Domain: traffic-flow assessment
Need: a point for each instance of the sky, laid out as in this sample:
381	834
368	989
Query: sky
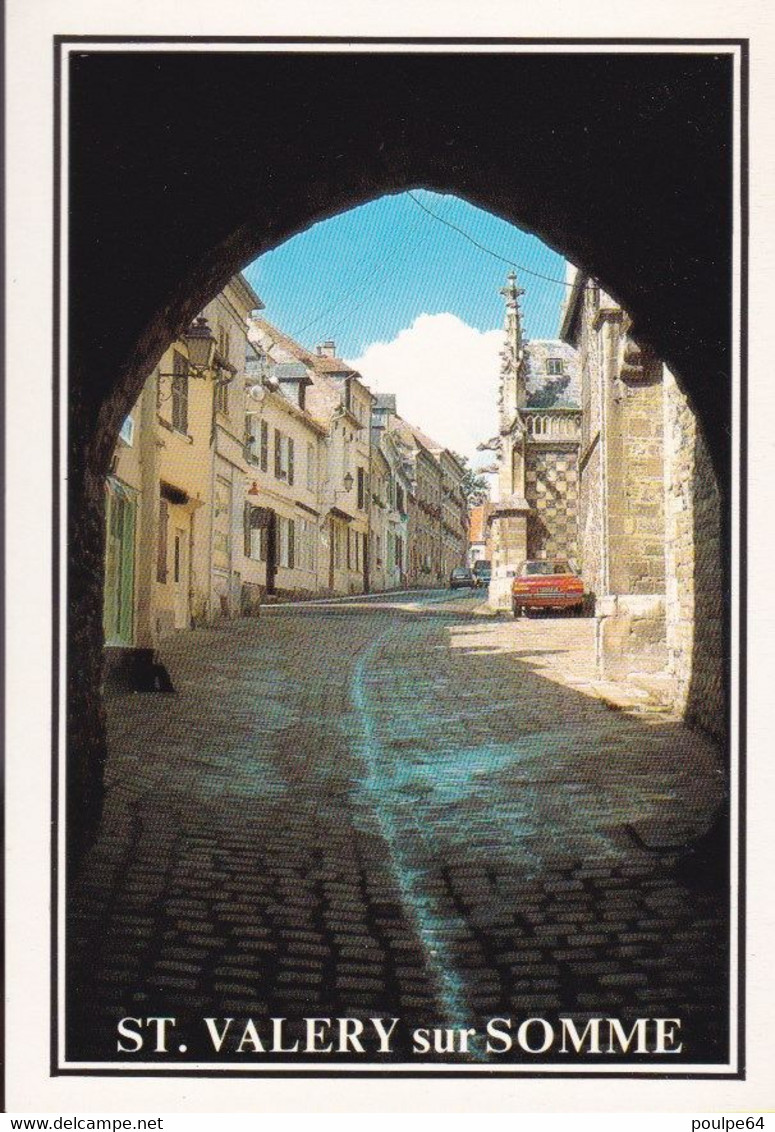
413	305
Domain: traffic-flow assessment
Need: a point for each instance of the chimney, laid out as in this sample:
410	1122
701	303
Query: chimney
327	349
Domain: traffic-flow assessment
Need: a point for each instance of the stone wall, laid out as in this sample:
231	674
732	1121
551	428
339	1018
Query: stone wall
694	592
636	519
592	526
552	491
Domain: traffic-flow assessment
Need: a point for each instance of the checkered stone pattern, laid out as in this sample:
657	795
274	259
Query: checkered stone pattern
552	490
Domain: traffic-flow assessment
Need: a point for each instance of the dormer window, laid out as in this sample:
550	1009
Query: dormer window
554	366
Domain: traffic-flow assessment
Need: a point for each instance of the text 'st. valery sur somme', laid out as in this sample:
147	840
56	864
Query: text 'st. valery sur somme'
504	1035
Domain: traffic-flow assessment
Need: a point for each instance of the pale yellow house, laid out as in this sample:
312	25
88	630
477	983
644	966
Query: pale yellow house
176	489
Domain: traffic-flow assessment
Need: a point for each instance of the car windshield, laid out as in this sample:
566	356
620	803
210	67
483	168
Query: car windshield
557	566
460	572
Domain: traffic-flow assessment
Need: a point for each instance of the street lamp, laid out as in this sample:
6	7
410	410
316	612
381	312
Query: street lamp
348	482
201	347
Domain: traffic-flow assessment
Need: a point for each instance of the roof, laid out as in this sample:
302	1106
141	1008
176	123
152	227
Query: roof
572	309
290	371
385	401
319	363
424	440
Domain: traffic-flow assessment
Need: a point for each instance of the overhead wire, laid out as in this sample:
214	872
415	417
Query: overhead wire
359	283
482	248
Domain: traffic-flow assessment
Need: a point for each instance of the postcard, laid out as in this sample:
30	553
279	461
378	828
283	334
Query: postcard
388	725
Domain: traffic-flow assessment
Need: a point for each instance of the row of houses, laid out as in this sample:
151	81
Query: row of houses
252	469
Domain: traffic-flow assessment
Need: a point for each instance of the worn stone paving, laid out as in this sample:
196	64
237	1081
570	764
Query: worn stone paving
403	811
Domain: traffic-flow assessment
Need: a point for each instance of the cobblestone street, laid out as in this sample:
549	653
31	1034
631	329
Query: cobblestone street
394	808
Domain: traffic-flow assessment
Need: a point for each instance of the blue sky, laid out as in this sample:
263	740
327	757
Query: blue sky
365	275
413	305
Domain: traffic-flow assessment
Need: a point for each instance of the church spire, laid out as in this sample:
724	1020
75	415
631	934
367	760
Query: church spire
512	391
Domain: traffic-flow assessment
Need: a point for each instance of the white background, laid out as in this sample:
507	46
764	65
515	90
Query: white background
30	27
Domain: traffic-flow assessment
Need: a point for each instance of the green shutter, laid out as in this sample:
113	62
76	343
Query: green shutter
278	471
291	542
264	446
290	459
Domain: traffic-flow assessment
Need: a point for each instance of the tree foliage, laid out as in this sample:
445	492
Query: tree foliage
475	487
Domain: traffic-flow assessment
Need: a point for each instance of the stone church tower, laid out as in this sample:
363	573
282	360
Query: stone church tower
536	514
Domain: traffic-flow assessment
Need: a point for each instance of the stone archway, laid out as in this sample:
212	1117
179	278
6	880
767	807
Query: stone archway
185	167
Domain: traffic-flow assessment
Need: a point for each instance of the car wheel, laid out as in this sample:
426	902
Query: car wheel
516	609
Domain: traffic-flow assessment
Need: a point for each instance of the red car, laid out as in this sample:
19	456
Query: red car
547	584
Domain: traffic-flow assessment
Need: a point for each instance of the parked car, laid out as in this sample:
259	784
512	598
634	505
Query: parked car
461	577
482	571
547	584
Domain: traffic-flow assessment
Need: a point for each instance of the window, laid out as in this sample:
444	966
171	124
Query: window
256	532
336	544
179	393
306	549
554	366
222	397
283	456
224	343
312	469
252	425
286	542
256	441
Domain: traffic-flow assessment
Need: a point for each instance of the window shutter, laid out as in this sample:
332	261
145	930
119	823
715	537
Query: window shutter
264	446
246	524
161	545
291	542
290	461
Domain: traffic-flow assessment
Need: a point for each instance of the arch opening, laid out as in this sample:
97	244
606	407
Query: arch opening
111	357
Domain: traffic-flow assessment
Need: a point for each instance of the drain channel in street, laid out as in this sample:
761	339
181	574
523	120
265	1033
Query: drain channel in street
432	924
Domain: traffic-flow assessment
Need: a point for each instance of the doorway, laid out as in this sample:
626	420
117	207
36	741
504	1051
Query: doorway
180	578
118	609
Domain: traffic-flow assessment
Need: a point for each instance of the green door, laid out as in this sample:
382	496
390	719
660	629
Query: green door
118	617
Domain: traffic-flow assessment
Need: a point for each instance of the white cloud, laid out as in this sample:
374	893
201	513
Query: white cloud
445	377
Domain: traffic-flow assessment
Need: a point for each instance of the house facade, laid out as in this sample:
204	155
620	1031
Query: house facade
337	405
173	553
